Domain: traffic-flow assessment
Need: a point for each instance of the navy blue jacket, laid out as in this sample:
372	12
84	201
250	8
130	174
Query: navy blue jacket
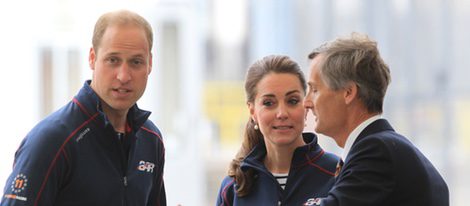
384	168
74	158
311	173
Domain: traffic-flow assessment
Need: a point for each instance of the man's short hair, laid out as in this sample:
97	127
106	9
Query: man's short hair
355	59
120	17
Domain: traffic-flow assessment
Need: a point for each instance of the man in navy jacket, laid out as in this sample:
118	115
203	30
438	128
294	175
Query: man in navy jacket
347	86
99	149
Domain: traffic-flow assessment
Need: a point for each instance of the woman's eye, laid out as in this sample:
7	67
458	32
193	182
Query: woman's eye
268	103
293	101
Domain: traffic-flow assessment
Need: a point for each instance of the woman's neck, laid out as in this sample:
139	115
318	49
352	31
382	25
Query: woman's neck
278	158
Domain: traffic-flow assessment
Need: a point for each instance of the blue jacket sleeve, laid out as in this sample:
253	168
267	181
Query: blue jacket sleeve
226	192
158	195
39	170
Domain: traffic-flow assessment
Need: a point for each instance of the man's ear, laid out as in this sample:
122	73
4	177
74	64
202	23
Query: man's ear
350	92
92	58
150	63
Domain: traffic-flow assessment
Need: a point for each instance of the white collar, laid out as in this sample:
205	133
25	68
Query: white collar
355	133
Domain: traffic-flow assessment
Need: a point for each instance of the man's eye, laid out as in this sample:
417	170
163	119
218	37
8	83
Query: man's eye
137	62
112	60
312	90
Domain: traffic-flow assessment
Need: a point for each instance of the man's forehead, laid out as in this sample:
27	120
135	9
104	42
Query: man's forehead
317	60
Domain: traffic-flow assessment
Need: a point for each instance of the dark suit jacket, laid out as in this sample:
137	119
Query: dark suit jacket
384	168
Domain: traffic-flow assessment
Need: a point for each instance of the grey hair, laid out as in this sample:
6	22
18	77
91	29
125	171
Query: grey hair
355	59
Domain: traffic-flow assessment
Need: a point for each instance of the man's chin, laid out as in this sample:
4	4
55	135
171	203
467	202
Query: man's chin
121	106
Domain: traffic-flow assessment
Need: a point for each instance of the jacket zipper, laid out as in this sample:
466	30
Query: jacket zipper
124	161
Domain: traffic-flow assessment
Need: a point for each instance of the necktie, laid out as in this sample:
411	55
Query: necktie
339	166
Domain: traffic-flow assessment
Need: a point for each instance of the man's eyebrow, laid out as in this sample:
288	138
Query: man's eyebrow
138	56
112	54
118	53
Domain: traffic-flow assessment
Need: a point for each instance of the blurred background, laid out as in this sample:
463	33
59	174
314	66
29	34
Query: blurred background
201	52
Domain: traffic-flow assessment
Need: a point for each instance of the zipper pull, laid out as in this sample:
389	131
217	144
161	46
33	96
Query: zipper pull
125	181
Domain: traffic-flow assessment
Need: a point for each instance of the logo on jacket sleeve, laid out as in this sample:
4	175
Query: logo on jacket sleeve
146	166
19	184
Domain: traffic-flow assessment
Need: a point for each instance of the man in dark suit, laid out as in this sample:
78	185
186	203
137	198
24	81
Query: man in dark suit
347	86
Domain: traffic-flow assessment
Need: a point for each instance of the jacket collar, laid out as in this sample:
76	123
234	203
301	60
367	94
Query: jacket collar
90	104
302	154
375	127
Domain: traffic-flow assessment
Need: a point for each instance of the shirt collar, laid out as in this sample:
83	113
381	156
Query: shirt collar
355	133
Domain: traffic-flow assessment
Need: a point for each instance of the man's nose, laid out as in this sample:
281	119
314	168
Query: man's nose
308	104
124	73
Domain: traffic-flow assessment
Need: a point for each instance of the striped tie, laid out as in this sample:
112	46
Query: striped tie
339	166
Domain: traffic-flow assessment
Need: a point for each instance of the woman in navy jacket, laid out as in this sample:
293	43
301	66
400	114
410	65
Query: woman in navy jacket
277	164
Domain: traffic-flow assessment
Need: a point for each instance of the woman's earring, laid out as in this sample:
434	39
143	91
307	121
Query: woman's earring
256	127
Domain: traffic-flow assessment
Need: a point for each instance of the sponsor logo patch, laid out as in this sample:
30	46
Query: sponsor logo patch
16	197
82	134
146	166
19	183
313	201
